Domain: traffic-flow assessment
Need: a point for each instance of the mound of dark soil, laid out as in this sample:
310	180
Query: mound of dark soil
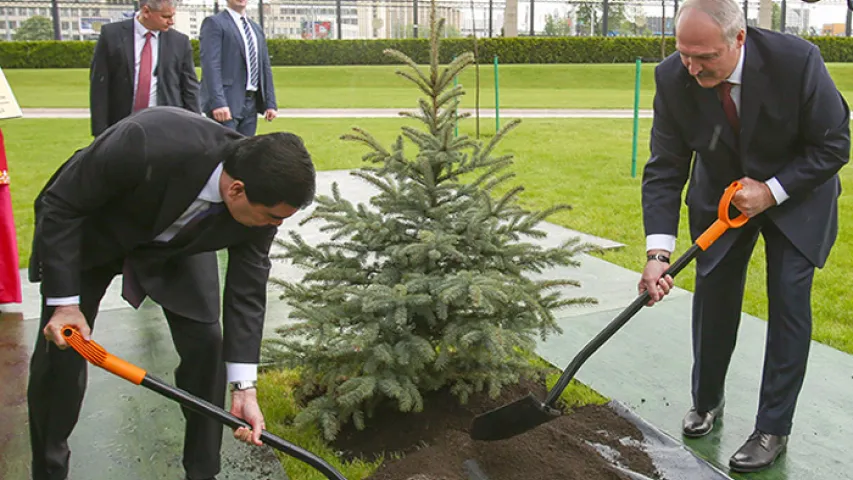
435	445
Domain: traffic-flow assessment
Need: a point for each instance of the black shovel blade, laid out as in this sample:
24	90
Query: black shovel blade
512	419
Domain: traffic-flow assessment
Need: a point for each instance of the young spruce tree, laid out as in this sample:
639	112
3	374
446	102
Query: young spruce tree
426	287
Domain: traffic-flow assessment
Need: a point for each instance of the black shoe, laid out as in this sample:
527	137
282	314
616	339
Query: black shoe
697	424
211	478
758	453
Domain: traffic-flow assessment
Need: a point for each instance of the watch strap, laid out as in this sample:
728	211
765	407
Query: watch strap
243	385
657	256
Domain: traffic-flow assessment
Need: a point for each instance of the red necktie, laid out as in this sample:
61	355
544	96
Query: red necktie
725	91
143	87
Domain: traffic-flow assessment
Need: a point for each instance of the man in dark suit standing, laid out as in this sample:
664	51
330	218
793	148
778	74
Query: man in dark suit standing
759	107
154	198
140	63
236	77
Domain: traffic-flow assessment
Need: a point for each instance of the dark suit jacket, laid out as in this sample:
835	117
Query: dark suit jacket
795	125
113	69
111	199
223	66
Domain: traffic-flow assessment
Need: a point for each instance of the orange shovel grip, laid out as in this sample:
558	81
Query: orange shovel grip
724	221
98	356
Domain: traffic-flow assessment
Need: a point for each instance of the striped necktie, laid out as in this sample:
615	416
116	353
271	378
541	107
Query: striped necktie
253	53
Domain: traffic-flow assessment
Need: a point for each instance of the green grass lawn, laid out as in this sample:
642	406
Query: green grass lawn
521	86
583	162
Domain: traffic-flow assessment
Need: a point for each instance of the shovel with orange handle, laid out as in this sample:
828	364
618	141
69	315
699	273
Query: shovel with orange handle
528	412
99	357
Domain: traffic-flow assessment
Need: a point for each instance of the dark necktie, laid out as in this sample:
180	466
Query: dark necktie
131	289
143	85
725	91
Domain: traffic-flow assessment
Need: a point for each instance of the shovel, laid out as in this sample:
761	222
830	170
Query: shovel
528	412
99	357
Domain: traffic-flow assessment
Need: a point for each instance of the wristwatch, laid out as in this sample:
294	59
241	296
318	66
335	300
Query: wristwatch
243	385
657	256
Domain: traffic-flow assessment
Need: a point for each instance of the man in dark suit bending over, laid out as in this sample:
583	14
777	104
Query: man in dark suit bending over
140	63
154	198
760	107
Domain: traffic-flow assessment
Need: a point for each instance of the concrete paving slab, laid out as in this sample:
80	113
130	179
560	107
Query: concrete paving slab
356	190
647	365
125	431
506	113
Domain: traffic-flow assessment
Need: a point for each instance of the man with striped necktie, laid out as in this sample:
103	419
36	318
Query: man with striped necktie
235	68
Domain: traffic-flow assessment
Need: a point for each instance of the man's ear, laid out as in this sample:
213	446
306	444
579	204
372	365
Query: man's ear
236	189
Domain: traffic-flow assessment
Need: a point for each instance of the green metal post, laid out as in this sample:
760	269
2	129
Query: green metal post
639	65
497	99
456	116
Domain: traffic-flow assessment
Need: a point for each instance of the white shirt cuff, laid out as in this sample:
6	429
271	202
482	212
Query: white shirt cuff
63	301
660	241
776	189
241	371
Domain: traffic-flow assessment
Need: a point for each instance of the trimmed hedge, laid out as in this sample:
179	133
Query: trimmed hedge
76	54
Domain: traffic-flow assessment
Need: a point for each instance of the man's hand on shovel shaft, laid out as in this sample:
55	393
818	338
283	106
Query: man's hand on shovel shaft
654	281
244	404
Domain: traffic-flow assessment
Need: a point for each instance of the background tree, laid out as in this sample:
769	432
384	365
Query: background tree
35	28
432	285
557	26
589	16
776	17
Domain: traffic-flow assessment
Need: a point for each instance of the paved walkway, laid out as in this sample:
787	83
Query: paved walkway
646	366
382	113
390	113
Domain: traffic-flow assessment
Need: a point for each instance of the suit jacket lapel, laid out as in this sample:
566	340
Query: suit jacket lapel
183	188
127	44
162	49
712	109
235	31
752	92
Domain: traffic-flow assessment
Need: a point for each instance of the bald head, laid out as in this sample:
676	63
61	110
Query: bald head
709	35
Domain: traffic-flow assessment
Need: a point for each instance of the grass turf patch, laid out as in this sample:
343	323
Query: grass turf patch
521	86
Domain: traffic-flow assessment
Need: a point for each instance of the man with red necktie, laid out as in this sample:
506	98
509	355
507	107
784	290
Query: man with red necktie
140	63
746	104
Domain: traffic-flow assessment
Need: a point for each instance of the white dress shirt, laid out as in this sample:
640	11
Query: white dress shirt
138	42
238	20
209	195
660	241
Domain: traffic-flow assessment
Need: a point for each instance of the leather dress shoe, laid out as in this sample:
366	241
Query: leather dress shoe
758	453
697	424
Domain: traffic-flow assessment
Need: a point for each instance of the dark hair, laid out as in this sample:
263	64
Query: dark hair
274	168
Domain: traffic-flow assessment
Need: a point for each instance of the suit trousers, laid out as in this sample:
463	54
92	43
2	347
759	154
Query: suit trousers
57	385
717	305
246	120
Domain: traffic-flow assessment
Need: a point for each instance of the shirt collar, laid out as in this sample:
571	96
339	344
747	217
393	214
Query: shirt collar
737	75
235	15
210	191
140	29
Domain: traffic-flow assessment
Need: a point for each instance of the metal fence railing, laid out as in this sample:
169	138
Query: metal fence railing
363	19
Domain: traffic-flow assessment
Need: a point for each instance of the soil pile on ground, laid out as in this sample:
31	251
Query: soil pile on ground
585	443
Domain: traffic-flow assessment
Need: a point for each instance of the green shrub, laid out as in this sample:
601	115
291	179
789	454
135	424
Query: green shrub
76	54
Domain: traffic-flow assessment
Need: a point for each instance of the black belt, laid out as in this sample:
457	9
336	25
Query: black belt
251	93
